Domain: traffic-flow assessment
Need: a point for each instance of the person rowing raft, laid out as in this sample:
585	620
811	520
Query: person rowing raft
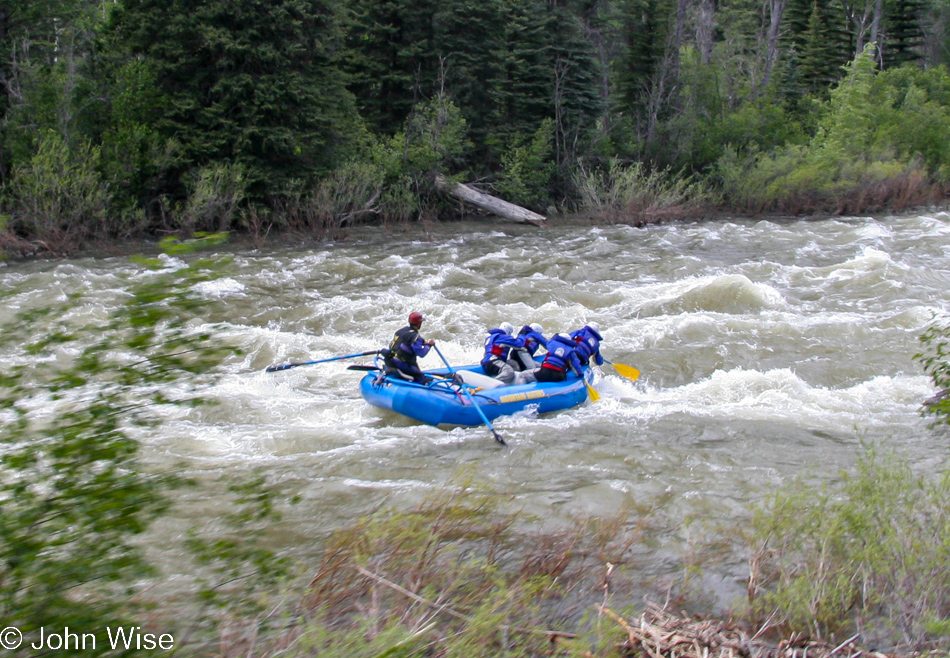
405	349
522	358
498	344
561	357
588	343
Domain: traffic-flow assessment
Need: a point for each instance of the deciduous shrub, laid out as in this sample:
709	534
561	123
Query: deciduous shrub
58	197
876	148
215	194
935	358
630	193
528	169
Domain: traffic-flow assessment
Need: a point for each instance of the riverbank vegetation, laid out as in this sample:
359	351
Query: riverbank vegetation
140	118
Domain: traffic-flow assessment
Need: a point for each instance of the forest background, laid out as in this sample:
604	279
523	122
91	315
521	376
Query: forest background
140	118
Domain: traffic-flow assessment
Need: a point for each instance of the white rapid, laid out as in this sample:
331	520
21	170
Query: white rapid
767	350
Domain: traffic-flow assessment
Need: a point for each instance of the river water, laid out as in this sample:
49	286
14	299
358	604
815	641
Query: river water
767	350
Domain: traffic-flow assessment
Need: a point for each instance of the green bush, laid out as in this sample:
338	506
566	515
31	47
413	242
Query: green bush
879	145
346	196
528	169
393	178
435	137
918	115
632	193
935	358
59	197
215	194
868	555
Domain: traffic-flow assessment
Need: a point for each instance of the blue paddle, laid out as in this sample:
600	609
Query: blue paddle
310	363
472	400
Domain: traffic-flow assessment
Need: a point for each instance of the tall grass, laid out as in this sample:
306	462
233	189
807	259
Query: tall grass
457	575
870	556
833	569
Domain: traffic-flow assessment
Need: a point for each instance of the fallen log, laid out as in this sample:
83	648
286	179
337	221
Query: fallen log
488	203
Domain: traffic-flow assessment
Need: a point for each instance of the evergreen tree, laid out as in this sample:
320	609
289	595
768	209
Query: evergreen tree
525	95
577	101
470	43
646	28
507	66
249	82
820	45
391	59
815	62
42	45
934	23
904	34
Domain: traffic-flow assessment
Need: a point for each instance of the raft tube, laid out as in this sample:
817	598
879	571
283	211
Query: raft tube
441	402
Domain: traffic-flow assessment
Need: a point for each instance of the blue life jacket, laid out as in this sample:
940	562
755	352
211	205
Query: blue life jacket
588	345
532	340
562	354
498	344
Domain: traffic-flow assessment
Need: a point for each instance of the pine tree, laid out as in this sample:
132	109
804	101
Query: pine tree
391	59
819	42
525	97
904	36
249	82
470	43
577	102
815	56
646	28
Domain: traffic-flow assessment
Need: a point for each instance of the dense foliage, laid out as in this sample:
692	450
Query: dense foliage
76	494
126	117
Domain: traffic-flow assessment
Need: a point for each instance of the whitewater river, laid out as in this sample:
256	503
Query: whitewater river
767	350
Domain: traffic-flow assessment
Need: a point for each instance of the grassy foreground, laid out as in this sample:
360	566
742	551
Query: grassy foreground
858	569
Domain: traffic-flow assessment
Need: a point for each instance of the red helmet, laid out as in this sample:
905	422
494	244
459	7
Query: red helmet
415	318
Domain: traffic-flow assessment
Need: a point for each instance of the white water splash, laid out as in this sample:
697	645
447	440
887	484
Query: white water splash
765	348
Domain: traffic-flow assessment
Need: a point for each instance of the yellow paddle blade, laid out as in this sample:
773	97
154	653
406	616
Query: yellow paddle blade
591	393
629	372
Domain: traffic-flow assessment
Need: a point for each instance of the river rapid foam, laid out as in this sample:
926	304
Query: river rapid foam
767	350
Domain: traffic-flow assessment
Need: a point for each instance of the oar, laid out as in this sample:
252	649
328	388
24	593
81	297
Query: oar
310	363
629	372
591	393
472	400
369	368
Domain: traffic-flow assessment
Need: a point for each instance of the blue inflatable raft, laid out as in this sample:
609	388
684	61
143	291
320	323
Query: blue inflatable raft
442	402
